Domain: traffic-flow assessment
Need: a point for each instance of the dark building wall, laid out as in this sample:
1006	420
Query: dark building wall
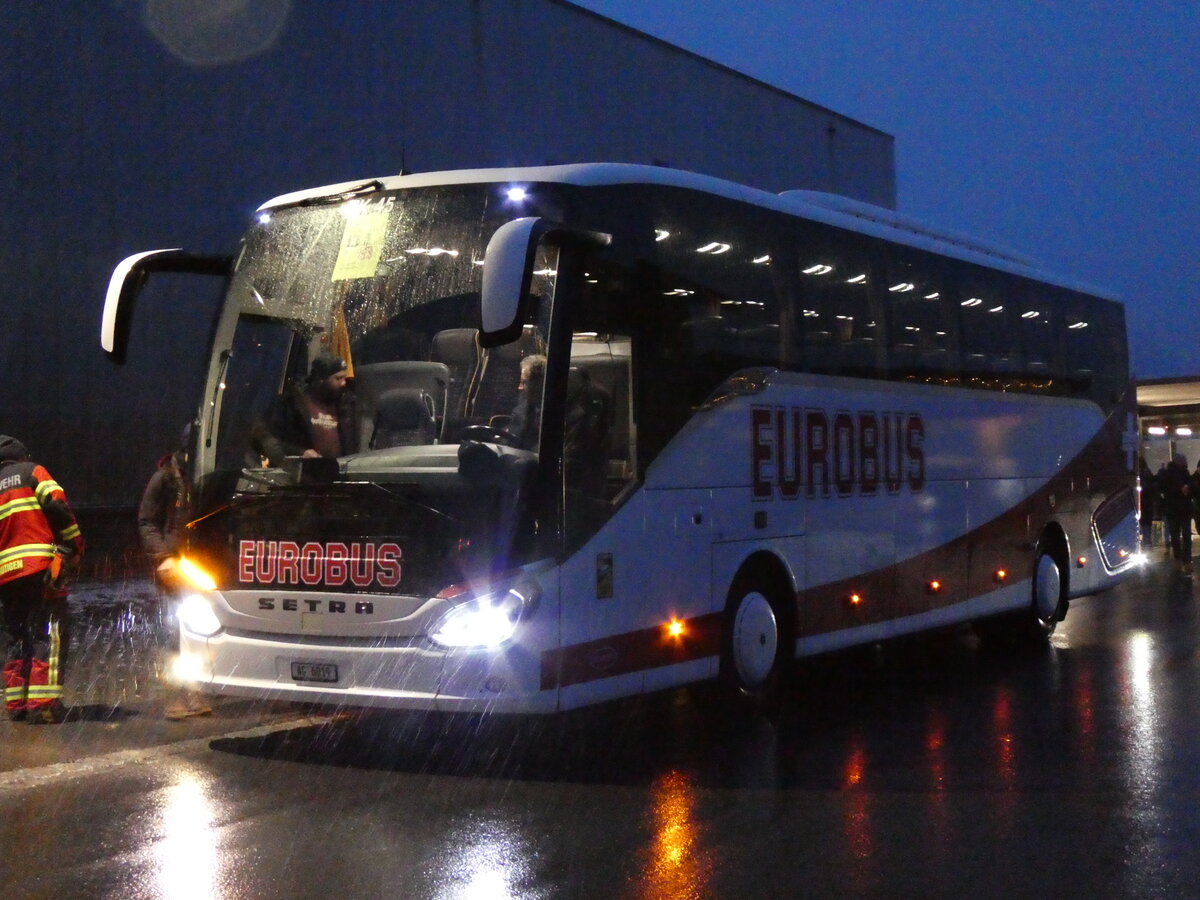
127	130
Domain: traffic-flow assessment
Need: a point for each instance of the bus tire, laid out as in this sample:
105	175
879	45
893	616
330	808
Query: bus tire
756	643
1047	604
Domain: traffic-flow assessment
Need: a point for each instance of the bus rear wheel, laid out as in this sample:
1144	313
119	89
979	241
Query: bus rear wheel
1046	607
1048	602
755	644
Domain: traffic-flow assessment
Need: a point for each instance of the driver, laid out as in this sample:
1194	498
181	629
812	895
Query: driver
523	427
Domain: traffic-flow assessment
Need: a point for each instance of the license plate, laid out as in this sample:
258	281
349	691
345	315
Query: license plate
312	671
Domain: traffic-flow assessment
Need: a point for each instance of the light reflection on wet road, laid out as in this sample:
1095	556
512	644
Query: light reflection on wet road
939	767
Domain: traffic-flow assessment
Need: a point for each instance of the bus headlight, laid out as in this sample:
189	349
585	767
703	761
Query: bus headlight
486	621
197	616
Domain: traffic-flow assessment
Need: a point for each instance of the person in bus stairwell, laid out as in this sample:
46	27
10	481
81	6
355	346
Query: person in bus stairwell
40	551
161	515
1178	510
311	420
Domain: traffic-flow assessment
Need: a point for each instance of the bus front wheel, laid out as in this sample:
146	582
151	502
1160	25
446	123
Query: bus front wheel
755	645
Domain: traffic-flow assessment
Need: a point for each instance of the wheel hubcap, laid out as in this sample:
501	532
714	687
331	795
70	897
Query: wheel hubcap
755	639
1048	587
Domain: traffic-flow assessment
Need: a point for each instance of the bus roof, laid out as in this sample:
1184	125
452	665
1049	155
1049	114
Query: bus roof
830	209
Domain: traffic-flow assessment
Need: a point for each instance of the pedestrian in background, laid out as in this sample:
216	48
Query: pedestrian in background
161	516
1147	495
1178	509
40	551
1196	496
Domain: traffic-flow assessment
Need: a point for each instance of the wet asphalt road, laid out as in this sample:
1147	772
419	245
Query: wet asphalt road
939	767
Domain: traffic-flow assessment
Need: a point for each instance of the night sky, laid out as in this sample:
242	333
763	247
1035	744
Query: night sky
1067	131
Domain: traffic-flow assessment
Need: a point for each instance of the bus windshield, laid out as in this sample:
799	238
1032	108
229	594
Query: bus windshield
388	286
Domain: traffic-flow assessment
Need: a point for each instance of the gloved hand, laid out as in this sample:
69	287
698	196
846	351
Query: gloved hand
64	568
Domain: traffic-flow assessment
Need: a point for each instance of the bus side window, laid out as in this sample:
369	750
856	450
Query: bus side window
840	320
922	324
1037	326
719	300
989	350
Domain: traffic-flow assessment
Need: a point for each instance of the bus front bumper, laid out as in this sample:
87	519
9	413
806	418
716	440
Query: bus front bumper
505	680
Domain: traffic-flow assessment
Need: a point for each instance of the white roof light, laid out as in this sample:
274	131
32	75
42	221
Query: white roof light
973	301
857	279
1030	314
902	288
819	269
714	247
762	260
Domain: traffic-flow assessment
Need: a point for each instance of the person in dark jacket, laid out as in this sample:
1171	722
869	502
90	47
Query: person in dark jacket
161	516
1178	510
1147	495
40	551
1196	495
313	419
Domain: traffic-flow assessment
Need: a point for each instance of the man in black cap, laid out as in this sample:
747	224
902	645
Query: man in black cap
313	419
40	550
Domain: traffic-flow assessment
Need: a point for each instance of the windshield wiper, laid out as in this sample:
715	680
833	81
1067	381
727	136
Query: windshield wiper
367	187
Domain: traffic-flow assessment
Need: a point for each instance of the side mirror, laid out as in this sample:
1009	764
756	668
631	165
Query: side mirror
127	281
508	271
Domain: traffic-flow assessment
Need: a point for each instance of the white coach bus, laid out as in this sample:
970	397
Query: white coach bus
769	427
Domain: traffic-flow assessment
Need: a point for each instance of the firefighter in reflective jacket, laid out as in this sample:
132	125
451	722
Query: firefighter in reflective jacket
40	551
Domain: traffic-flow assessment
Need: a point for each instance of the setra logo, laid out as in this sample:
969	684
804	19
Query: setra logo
313	564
